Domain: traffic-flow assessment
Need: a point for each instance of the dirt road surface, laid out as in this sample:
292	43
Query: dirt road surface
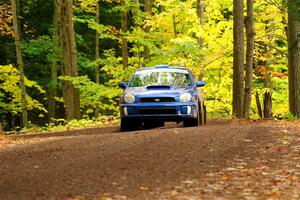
223	160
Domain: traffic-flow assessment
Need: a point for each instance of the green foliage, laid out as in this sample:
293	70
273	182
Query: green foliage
62	125
172	37
94	96
10	92
212	63
43	45
280	96
100	28
289	116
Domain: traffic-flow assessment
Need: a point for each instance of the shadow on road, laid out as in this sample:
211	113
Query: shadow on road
102	130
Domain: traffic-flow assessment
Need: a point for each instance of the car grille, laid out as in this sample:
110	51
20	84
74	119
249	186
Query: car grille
157	111
157	99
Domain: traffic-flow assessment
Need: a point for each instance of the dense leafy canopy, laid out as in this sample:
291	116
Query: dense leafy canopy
173	38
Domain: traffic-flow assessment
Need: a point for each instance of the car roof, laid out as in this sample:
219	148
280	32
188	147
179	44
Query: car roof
163	67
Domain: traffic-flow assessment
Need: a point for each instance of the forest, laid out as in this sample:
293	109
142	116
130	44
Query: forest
61	60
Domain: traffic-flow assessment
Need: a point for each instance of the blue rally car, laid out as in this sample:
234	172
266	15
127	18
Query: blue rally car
162	93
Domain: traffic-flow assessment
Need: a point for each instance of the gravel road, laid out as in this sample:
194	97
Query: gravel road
102	163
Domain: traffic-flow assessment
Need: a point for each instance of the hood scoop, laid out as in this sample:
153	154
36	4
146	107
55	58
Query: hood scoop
158	87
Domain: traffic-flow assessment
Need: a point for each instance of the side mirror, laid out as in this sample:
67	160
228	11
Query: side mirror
122	85
200	84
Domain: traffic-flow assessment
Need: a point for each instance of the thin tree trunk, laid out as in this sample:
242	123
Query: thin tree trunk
259	110
139	55
13	122
124	30
69	61
17	34
97	52
285	24
174	25
291	41
148	13
135	12
238	59
97	47
290	37
55	39
294	57
200	14
249	23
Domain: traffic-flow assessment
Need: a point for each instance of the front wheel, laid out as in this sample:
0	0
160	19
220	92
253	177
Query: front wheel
194	121
128	125
199	120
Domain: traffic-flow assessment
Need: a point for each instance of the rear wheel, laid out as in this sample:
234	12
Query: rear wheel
205	115
202	117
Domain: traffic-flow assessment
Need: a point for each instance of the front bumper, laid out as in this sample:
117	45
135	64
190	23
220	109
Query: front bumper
175	111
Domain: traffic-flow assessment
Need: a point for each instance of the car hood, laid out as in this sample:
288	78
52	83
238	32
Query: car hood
171	91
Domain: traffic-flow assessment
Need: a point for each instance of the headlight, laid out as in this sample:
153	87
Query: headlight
185	97
129	98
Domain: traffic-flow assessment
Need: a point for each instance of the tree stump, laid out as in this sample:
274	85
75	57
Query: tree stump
268	105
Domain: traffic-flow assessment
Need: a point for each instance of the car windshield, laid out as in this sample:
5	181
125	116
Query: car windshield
152	77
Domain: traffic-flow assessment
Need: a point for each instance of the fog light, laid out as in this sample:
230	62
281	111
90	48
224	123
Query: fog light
186	110
128	111
125	111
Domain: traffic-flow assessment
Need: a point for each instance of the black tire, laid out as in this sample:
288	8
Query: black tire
129	125
194	121
200	120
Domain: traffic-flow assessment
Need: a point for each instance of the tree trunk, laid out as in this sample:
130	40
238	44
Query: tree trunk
1	129
135	12
97	47
294	57
238	59
268	95
268	105
249	23
200	14
136	19
69	61
97	52
174	25
148	14
13	122
258	105
17	34
124	30
55	39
